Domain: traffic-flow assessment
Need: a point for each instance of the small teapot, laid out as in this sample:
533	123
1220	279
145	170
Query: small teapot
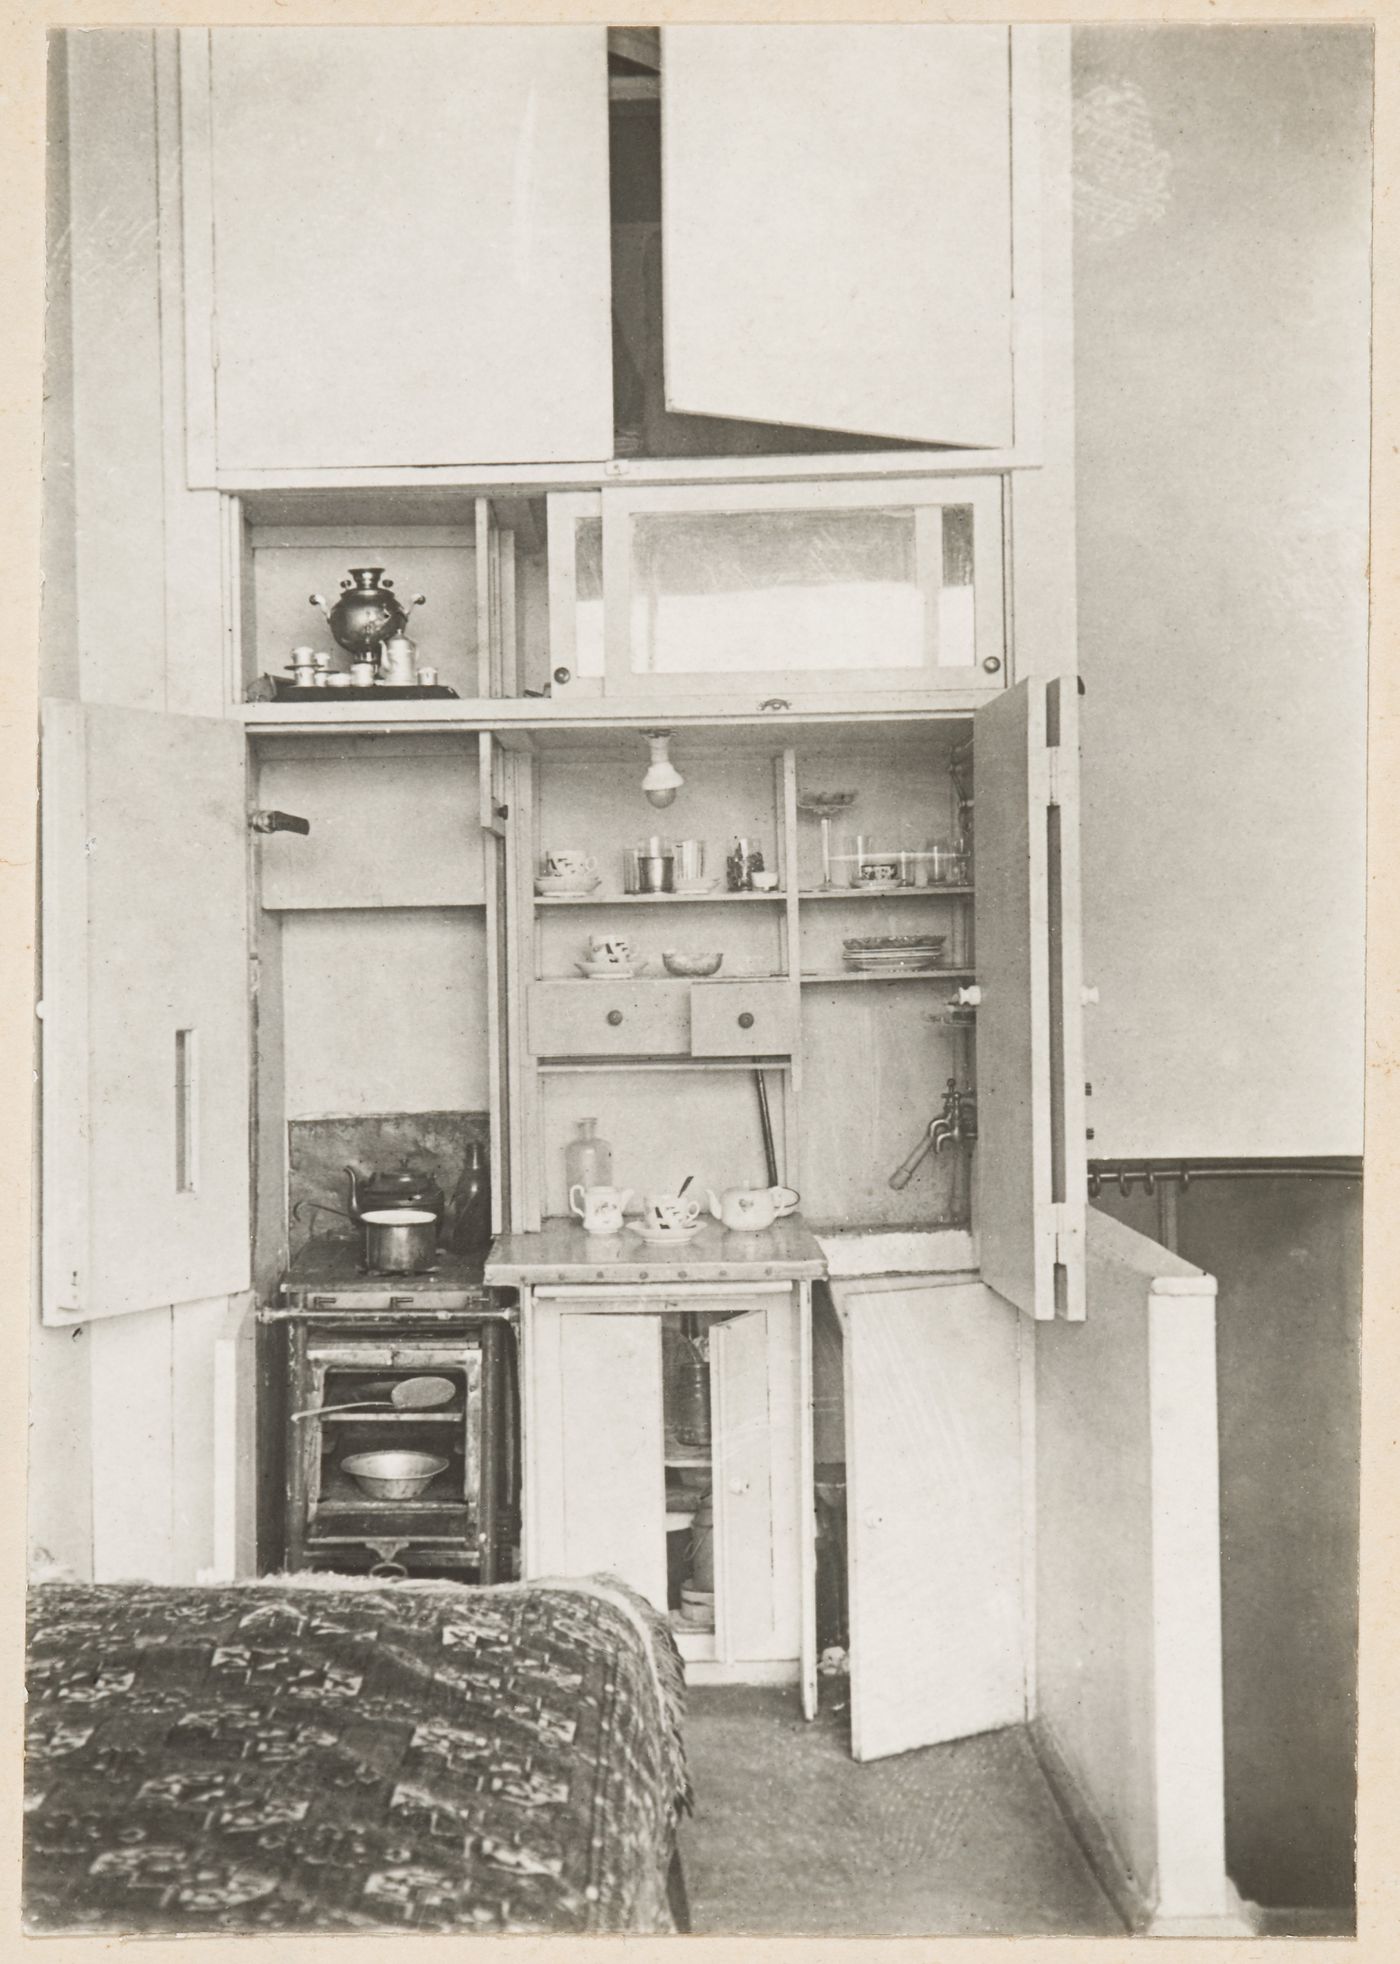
405	1188
398	661
749	1210
599	1208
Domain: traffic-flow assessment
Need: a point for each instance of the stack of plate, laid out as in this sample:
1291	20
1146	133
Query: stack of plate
894	954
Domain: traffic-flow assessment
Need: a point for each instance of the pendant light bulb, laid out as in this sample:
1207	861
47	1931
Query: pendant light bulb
662	780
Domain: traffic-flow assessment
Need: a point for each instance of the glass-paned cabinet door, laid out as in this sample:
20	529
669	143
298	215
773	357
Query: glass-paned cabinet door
798	588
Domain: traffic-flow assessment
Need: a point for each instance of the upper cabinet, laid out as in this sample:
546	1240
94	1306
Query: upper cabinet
396	247
838	226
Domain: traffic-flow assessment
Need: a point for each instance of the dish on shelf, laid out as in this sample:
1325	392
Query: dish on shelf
610	971
682	964
894	943
694	887
663	1237
565	886
393	1475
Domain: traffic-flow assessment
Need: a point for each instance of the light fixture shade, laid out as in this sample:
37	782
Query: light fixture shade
662	780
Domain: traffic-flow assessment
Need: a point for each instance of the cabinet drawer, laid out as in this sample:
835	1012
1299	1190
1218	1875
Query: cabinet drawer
606	1019
743	1019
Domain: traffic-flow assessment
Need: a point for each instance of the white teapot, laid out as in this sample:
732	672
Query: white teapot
749	1210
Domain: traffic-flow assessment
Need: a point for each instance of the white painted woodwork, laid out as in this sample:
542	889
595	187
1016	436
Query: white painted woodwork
933	1514
409	242
133	1448
1029	1106
601	1503
1127	1540
145	936
385	1011
386	830
197	1331
235	1465
754	1419
802	289
119	493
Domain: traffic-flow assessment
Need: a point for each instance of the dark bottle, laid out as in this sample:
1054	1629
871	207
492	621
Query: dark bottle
471	1203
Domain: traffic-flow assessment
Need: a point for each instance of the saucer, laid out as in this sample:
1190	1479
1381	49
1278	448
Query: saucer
694	887
555	887
661	1237
610	971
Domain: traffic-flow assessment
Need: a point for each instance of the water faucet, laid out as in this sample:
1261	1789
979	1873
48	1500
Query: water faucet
956	1124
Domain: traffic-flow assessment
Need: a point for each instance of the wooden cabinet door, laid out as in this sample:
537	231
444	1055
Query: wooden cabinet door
933	1507
594	1446
837	227
401	238
1031	1172
145	1164
754	1407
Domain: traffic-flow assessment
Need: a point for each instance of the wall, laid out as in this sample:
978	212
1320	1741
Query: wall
1222	186
1127	1695
1286	1254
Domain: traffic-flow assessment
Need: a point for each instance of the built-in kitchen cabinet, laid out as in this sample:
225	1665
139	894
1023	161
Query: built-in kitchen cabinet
800	290
396	247
609	1479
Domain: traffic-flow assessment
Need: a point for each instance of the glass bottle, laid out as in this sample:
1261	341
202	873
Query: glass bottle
475	1230
587	1158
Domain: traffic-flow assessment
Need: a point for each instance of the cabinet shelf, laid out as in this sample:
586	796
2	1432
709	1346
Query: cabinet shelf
656	899
861	894
884	975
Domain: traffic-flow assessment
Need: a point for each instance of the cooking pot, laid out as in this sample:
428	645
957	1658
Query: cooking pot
749	1210
405	1188
399	1240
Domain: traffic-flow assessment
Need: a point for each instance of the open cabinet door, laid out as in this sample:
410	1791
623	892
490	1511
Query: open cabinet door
836	227
595	1499
753	1399
1031	1172
145	1160
933	1514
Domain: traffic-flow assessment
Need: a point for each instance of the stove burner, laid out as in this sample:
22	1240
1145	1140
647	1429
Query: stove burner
396	1274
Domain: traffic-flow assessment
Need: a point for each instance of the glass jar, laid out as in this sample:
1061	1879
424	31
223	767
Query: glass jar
587	1158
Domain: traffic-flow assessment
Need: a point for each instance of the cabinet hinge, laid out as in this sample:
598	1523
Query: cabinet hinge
1053	755
1069	1235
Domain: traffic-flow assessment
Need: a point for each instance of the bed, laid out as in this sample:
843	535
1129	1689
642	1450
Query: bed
320	1754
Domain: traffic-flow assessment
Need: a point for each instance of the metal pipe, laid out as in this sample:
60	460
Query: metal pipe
1117	1173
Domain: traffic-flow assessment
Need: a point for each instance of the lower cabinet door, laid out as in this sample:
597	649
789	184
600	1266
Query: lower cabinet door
933	1506
595	1410
753	1402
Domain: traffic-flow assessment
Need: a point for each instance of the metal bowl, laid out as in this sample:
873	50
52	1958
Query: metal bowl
393	1475
681	964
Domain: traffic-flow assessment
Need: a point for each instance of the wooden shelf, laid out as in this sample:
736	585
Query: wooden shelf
655	899
883	893
884	975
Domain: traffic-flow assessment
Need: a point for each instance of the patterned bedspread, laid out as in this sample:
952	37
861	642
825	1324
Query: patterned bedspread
330	1756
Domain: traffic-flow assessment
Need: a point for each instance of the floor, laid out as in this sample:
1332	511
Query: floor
791	1837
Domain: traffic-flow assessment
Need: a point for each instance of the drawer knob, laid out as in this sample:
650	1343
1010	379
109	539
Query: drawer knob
746	1019
614	1017
992	663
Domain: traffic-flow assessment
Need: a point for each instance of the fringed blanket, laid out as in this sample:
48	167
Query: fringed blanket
415	1756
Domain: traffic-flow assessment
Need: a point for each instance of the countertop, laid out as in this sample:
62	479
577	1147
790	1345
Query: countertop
562	1252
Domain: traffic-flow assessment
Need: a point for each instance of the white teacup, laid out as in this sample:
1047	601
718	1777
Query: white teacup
671	1213
568	864
599	1208
610	949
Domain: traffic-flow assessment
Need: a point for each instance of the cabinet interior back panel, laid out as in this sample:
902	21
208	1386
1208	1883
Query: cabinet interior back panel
384	1011
837	228
410	246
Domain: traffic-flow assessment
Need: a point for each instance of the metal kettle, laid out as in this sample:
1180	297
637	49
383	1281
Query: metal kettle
367	613
372	1192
